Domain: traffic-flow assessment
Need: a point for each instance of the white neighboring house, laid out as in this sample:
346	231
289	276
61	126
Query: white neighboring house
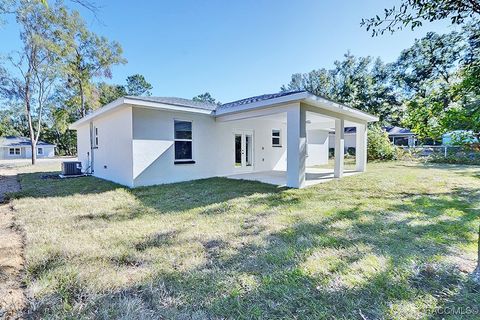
12	147
139	141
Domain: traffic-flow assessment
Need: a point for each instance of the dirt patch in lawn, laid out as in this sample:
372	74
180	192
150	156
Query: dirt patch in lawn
12	297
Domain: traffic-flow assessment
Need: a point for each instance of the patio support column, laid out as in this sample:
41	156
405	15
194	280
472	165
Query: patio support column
361	148
339	147
296	146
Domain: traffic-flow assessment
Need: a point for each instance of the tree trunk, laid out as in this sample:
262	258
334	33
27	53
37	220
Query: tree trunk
34	153
82	100
28	113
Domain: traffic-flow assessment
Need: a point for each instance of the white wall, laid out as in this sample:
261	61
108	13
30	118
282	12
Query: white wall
317	147
137	146
153	152
113	157
266	157
83	145
213	147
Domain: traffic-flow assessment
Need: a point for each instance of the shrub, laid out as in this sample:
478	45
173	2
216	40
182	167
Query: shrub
379	146
457	158
351	151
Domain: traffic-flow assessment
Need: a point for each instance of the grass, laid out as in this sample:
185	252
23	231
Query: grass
396	242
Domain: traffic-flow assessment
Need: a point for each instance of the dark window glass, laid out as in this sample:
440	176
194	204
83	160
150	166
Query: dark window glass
276	133
276	141
183	130
238	150
183	150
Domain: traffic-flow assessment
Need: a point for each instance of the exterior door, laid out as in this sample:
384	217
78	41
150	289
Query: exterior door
244	150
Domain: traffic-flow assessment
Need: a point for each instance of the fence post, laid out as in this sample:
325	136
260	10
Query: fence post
446	151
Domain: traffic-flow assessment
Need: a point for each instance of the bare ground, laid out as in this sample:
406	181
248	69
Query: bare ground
12	297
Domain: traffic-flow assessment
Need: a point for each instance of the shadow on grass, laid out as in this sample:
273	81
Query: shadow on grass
352	263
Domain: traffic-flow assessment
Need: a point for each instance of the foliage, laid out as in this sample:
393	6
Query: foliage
468	158
206	97
138	86
414	12
379	146
360	82
108	92
88	56
37	65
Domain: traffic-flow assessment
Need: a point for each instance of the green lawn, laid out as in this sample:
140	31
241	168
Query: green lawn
397	242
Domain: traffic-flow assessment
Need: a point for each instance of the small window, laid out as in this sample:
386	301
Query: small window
183	141
95	137
276	138
14	151
40	151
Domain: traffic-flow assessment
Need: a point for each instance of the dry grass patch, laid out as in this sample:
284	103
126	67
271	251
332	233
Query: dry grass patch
385	244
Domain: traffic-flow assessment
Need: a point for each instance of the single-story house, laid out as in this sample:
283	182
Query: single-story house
401	136
13	147
350	138
274	138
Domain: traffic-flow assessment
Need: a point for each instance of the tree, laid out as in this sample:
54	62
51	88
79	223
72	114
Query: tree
138	86
37	65
360	82
206	97
414	12
429	63
88	56
109	92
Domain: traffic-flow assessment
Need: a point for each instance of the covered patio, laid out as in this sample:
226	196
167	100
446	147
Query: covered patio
305	119
313	176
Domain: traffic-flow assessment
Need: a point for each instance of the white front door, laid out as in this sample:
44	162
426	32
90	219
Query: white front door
243	149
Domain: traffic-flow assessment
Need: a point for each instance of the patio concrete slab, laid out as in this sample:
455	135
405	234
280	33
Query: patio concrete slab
279	177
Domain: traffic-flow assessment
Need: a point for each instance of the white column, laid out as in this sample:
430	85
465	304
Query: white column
339	147
361	148
296	147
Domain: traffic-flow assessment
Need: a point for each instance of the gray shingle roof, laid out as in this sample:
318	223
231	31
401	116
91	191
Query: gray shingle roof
178	102
13	141
397	130
257	98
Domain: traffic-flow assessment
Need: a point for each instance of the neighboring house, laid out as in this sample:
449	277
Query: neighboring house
401	136
350	138
138	141
20	148
454	137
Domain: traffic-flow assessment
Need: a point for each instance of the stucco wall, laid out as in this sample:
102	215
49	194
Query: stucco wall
113	156
137	146
153	151
317	149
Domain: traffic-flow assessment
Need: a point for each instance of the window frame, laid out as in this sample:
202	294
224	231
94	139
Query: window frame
183	161
38	151
14	151
95	137
279	137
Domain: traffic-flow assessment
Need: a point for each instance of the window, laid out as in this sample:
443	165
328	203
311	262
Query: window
276	138
183	141
14	151
95	137
40	151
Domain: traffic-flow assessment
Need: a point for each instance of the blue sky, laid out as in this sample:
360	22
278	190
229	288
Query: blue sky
235	49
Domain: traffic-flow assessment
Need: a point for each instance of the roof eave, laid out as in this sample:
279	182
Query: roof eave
136	102
341	108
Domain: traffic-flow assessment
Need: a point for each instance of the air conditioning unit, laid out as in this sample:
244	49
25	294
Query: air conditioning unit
71	168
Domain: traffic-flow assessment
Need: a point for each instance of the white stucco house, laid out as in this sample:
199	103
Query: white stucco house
275	138
13	147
